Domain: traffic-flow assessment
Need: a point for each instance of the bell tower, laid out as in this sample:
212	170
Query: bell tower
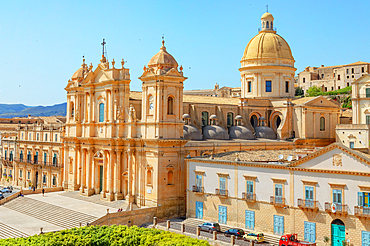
162	105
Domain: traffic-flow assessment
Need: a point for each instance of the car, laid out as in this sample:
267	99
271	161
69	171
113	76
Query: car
258	237
1	196
210	226
236	232
10	188
5	190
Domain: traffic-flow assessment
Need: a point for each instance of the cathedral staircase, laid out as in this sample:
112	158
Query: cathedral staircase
53	214
8	231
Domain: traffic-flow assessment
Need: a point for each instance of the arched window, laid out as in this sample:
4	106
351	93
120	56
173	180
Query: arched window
149	177
54	180
45	158
44	179
254	121
150	104
170	102
230	119
101	112
72	110
322	124
170	177
21	155
11	156
204	118
267	24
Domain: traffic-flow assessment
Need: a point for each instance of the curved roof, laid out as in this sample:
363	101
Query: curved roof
240	132
267	45
192	133
215	132
265	132
163	58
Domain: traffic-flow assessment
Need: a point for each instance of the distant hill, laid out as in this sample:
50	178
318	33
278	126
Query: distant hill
20	110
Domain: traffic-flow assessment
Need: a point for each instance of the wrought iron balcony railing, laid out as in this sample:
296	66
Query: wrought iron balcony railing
224	193
309	204
277	201
361	211
199	189
339	208
249	197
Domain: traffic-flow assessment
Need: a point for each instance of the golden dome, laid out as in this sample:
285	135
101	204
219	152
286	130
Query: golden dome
267	15
267	45
163	58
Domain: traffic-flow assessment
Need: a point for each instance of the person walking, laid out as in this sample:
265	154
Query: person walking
43	192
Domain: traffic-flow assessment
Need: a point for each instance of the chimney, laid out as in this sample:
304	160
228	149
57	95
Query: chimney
322	65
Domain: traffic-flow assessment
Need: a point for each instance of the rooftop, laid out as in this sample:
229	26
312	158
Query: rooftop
263	155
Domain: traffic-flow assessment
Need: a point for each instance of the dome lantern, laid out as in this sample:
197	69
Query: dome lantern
267	22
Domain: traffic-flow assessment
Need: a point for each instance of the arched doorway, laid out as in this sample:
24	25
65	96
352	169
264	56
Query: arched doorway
338	232
254	121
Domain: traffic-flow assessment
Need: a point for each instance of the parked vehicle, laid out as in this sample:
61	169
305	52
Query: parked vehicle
258	237
235	232
10	188
291	239
210	226
1	196
5	190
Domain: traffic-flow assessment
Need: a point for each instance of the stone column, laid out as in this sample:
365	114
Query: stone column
110	174
88	169
83	165
118	177
66	165
129	173
74	183
104	188
49	177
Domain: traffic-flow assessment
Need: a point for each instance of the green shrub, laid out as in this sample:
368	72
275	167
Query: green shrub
106	236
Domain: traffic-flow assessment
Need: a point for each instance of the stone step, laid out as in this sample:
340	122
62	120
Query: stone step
8	231
53	214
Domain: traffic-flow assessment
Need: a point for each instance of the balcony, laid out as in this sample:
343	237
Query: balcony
362	212
249	197
340	208
198	189
308	204
277	201
7	161
222	193
40	163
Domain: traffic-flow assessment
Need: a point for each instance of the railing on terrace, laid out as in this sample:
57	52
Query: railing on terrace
224	193
309	204
339	208
277	201
249	197
362	211
37	162
199	189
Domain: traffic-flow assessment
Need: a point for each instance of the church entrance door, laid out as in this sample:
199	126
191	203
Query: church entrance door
100	178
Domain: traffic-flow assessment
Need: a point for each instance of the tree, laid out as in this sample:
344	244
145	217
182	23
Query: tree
299	91
313	91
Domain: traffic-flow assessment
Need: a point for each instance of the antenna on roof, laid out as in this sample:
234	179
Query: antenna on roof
281	157
290	158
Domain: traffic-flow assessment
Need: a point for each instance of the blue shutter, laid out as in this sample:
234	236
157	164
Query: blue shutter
360	200
250	189
278	225
365	238
309	231
199	210
101	112
222	214
249	219
222	184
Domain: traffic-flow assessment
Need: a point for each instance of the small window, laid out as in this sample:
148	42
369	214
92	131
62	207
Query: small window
362	70
72	110
22	136
30	137
204	118
101	112
20	173
56	137
368	119
347	70
149	177
353	70
304	80
367	92
347	77
170	105
352	145
338	87
54	180
347	84
170	177
322	124
28	175
286	86
267	24
46	137
338	76
37	137
268	86
322	76
230	119
249	86
44	179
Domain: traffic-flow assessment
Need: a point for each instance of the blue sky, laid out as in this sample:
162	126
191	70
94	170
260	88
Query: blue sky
42	42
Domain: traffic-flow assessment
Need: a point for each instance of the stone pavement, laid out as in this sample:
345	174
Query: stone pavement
55	211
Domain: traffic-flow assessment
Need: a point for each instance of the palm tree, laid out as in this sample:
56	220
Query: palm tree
326	240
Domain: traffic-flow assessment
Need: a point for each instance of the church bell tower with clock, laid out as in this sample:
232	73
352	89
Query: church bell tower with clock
162	105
